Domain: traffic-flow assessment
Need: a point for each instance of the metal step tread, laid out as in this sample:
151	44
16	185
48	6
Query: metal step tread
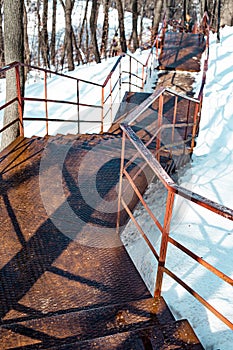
175	335
128	325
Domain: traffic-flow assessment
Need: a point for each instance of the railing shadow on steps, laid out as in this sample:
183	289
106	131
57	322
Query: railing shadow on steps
143	155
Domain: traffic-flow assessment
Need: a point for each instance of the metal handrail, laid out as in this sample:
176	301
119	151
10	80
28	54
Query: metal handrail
173	190
103	96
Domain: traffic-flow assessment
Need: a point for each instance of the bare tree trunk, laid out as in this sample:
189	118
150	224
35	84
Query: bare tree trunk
13	48
171	8
78	56
121	25
204	6
93	26
2	57
44	35
135	24
226	8
39	31
218	21
87	42
157	17
68	44
53	34
83	23
213	22
185	11
27	54
104	43
195	11
143	15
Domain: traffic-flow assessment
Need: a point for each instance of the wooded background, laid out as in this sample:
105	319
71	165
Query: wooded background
83	39
30	32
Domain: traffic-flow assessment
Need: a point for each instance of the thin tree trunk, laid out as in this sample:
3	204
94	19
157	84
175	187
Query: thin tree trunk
53	34
171	8
2	57
135	24
68	44
39	31
44	35
93	26
157	17
87	42
226	12
219	20
27	54
121	25
104	43
13	48
78	56
83	24
185	11
143	15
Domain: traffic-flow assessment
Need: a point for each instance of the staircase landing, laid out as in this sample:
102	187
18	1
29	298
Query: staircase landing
181	51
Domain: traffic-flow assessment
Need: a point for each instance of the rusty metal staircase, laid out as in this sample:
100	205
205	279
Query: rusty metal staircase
72	290
67	281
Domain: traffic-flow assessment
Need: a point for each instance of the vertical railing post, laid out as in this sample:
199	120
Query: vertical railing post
174	122
20	100
120	81
143	76
164	242
102	110
111	99
195	126
46	102
130	73
187	127
157	48
78	106
120	183
174	115
160	122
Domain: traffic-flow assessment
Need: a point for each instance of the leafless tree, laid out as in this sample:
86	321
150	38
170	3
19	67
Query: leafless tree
104	42
44	35
38	31
13	48
27	54
121	25
93	27
2	58
135	24
68	44
53	34
158	7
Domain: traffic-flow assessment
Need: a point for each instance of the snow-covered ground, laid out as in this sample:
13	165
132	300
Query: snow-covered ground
209	236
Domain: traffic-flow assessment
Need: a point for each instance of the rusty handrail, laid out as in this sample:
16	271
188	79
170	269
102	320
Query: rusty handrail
172	189
103	97
135	113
